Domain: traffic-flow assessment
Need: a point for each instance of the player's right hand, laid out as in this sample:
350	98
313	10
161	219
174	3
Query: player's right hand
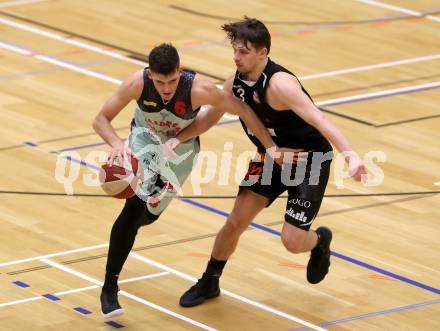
120	152
168	149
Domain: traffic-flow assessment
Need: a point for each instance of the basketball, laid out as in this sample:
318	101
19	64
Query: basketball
120	182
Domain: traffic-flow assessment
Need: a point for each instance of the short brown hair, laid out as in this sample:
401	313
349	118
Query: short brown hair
164	59
249	30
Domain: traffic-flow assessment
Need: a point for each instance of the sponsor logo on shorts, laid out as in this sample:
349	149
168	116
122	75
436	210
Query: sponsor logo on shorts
298	216
301	202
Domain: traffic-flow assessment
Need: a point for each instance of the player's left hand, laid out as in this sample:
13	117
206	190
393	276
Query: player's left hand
356	168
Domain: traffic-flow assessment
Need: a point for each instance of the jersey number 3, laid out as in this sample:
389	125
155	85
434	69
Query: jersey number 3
240	92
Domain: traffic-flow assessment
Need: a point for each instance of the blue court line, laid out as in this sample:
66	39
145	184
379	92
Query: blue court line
277	233
335	254
114	324
70	158
82	310
81	162
341	102
30	143
374	314
224	214
237	120
385	272
74	148
51	297
21	284
346	258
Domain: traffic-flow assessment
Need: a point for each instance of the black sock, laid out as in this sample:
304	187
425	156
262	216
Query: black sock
214	267
124	230
110	282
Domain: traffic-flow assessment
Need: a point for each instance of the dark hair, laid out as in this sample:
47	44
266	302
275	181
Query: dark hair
249	30
164	59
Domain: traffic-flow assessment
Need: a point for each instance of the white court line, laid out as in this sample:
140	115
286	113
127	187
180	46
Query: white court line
135	279
370	67
128	280
398	9
66	40
18	3
76	68
82	289
10	303
15	49
59	63
358	97
94	74
72	251
128	295
438	183
361	97
231	294
125	58
169	312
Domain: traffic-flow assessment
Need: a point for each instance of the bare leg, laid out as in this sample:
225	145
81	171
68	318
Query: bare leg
247	205
297	240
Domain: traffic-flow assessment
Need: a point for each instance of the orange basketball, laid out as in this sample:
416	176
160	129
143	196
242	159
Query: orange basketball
118	181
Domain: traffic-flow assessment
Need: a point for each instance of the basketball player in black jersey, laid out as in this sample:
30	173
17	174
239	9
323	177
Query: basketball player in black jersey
289	114
168	99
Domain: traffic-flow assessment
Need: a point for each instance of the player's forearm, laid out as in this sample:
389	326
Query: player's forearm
191	131
103	128
200	125
333	134
256	126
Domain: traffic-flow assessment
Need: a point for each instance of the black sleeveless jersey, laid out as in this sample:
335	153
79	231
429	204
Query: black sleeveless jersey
166	118
286	128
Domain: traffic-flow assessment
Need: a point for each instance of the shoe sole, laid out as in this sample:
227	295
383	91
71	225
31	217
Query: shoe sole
113	313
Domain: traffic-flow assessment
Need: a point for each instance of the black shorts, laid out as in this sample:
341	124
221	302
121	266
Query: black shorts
304	182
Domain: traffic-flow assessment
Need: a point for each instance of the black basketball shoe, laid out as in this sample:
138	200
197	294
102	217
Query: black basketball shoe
319	261
206	288
110	306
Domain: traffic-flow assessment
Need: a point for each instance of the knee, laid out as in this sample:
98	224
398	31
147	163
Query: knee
234	226
147	218
294	244
137	211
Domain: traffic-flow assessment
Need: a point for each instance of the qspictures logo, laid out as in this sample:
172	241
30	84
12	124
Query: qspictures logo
226	168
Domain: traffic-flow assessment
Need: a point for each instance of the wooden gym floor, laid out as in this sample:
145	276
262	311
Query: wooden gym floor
374	68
